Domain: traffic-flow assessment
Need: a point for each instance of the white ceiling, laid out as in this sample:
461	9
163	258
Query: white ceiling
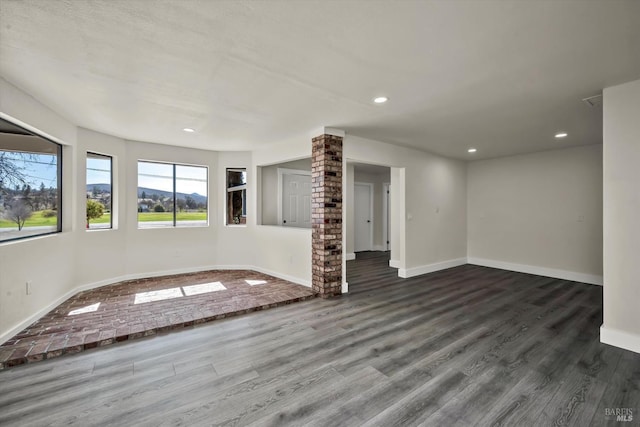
502	76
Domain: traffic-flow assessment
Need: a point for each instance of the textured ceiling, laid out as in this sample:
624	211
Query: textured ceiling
502	76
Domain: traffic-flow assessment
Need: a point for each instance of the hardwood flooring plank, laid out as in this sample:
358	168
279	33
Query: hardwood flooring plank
415	406
465	346
568	406
311	403
622	392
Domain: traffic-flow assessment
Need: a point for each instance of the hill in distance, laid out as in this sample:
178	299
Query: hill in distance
149	192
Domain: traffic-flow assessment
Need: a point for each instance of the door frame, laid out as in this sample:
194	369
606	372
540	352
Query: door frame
281	173
386	188
370	186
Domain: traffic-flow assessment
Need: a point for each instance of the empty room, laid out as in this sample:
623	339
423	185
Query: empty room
331	213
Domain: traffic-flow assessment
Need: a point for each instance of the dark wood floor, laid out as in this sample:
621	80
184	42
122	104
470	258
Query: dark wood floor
468	346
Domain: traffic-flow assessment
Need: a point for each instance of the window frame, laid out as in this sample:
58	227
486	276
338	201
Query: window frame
243	188
59	192
175	223
94	154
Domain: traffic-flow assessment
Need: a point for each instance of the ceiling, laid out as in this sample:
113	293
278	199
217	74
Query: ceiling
501	76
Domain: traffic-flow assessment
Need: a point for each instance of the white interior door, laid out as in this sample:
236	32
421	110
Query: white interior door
296	200
363	215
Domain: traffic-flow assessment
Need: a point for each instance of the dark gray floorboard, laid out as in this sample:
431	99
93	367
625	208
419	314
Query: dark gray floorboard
466	346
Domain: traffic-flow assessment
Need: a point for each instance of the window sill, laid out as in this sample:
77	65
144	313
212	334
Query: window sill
171	227
30	238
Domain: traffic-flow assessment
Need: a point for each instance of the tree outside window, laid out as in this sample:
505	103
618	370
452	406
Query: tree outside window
172	195
30	190
99	191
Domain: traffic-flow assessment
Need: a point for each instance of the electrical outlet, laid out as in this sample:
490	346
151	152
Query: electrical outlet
28	287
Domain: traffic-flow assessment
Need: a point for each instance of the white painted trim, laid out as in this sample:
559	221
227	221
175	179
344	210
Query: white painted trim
33	130
540	271
386	238
34	317
31	319
621	339
292	279
371	216
378	248
394	263
430	268
345	287
350	256
281	173
327	131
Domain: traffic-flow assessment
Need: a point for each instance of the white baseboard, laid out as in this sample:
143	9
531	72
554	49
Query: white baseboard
378	248
292	279
13	331
540	271
394	263
345	287
618	338
88	286
430	268
350	256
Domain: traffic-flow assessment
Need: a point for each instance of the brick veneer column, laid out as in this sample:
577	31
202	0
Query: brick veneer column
326	215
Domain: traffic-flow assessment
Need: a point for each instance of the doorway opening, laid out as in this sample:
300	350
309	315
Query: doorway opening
368	216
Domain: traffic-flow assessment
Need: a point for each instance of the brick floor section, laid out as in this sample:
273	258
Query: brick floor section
119	318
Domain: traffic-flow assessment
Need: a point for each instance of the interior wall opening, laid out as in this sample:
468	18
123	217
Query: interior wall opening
285	198
368	216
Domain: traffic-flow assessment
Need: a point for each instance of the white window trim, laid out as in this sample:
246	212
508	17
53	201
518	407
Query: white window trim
174	164
231	189
113	199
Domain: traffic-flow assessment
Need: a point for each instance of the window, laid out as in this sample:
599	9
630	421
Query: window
171	195
99	190
30	190
236	196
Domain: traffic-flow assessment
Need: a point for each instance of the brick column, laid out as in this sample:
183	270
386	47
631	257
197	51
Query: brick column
326	215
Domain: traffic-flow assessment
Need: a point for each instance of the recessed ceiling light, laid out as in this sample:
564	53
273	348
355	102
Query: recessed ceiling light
380	99
189	130
561	135
472	150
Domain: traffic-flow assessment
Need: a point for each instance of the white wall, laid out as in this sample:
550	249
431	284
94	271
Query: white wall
234	244
621	325
48	261
539	213
106	259
168	249
282	251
